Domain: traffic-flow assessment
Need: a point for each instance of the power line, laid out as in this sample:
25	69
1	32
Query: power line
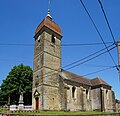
87	56
86	74
100	71
107	21
96	28
69	44
85	44
56	72
74	61
16	60
96	71
53	72
96	65
90	59
12	44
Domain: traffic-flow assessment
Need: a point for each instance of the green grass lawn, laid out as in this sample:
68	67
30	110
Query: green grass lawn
62	113
6	111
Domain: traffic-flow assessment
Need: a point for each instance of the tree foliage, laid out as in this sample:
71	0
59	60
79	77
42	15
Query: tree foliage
18	80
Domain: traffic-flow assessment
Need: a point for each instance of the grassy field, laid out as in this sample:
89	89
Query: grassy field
59	113
5	111
67	113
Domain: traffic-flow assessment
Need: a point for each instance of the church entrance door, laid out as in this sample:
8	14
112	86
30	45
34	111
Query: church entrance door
37	103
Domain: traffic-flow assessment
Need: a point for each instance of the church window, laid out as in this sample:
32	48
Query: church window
36	81
39	39
87	94
53	39
73	92
107	94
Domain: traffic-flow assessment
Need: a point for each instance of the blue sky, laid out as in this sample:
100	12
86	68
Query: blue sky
19	19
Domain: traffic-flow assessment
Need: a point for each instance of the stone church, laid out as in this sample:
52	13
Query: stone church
57	89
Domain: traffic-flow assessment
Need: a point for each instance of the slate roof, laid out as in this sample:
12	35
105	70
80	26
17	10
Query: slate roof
49	23
82	80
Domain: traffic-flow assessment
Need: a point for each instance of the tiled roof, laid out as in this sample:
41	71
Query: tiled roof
98	81
82	80
76	78
49	23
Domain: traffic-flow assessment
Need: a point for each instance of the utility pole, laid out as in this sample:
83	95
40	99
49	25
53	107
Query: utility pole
118	47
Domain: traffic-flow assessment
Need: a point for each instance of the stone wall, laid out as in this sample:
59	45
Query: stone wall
109	105
96	99
47	62
78	99
117	105
63	94
73	103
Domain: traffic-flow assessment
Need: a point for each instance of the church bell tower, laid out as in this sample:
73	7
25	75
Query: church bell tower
47	63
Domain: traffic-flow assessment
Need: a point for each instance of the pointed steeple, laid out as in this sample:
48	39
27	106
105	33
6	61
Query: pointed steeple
49	9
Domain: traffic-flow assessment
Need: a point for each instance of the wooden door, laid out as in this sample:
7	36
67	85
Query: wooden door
37	103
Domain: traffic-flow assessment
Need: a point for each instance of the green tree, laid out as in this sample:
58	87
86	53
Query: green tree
18	80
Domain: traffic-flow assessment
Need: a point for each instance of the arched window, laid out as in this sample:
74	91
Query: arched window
73	92
87	94
107	94
53	39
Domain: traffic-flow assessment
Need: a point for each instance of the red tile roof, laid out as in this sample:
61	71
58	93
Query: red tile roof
98	81
49	23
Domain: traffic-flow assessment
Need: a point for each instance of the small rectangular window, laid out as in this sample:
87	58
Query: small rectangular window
53	39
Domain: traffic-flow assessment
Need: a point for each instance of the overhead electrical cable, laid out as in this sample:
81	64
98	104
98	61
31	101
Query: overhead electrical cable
15	44
107	21
100	70
87	44
86	74
89	59
53	72
96	71
87	56
74	63
17	60
96	65
96	28
84	44
65	45
77	60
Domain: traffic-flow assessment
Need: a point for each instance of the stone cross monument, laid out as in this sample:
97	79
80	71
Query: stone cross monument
21	102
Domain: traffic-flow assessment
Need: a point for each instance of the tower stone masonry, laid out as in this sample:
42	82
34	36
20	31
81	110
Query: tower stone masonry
47	63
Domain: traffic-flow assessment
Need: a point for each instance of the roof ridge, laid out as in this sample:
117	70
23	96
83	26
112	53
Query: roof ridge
77	77
100	81
76	74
